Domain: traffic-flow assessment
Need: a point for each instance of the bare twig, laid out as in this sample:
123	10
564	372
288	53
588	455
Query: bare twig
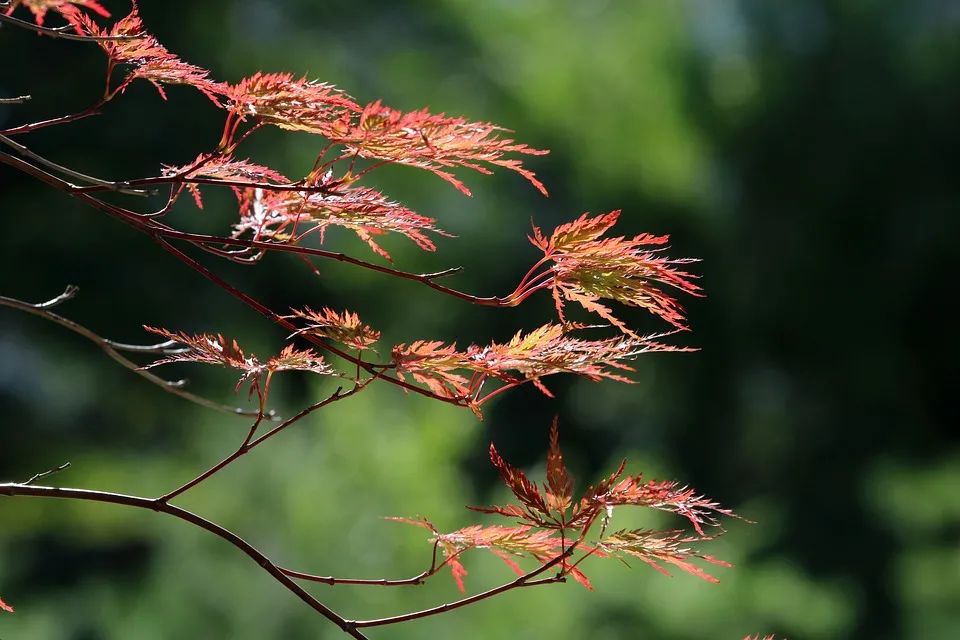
48	472
416	580
92	110
76	175
16	100
113	349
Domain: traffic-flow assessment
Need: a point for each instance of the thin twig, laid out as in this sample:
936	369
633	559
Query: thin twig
249	443
16	100
92	110
112	349
70	172
62	32
48	472
526	580
201	239
416	580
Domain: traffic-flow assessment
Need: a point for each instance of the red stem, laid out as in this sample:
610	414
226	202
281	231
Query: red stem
249	443
27	128
526	580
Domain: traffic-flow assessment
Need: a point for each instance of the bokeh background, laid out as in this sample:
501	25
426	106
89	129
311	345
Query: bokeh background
805	150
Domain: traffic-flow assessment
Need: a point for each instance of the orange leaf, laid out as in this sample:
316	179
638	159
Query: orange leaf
346	327
588	268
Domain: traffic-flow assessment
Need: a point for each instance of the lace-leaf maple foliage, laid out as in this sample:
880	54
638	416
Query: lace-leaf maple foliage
580	264
547	522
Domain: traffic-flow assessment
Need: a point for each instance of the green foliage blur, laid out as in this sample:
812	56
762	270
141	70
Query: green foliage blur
801	149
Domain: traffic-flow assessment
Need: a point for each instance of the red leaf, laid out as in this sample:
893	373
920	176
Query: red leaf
217	350
503	555
345	327
5	607
224	168
578	575
458	571
435	142
559	484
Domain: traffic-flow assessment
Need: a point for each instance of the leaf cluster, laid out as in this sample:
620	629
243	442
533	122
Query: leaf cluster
549	523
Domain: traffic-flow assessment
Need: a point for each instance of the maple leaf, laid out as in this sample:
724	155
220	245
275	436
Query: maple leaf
66	8
5	607
656	547
545	351
525	491
293	104
559	484
545	533
293	215
224	168
548	350
345	328
293	359
434	364
217	350
587	268
435	142
665	495
146	57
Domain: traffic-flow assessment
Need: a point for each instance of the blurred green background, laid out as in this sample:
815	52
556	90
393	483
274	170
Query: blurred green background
802	149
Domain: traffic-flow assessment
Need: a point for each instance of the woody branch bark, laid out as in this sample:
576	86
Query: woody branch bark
153	504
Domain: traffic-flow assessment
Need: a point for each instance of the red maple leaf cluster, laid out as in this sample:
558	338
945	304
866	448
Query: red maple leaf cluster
545	351
587	268
550	524
225	170
343	327
291	216
293	104
435	142
127	44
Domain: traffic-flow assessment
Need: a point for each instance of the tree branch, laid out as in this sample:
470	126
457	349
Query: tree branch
16	489
76	175
526	580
